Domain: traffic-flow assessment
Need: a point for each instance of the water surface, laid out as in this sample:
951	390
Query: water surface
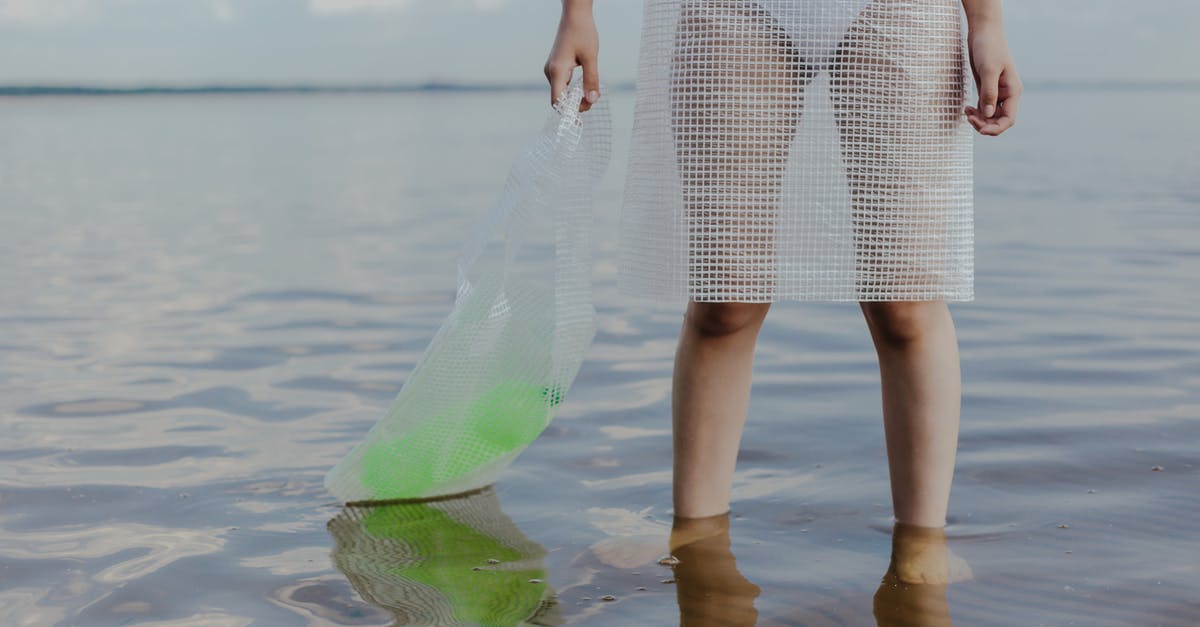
209	299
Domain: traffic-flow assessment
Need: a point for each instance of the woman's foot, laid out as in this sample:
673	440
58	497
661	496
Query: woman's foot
710	589
913	590
920	556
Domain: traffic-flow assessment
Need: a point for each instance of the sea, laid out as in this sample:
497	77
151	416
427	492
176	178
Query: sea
209	297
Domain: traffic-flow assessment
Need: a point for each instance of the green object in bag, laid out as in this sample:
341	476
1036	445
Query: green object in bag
505	420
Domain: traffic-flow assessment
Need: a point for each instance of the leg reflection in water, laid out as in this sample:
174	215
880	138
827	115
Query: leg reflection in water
709	588
913	590
449	561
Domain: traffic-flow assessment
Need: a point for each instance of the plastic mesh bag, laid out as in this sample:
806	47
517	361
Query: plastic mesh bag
489	381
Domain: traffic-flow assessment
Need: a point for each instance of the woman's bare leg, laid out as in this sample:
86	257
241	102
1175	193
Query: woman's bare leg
737	92
896	85
913	590
922	396
709	399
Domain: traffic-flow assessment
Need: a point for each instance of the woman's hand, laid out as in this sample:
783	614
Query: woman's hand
997	80
577	43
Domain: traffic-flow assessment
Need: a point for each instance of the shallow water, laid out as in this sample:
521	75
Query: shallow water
209	299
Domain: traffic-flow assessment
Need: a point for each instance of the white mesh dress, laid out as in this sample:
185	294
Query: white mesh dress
800	150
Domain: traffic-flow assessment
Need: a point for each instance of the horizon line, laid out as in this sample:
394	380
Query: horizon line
213	87
232	87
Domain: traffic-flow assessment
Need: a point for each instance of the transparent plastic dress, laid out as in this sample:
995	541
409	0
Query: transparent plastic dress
800	150
489	380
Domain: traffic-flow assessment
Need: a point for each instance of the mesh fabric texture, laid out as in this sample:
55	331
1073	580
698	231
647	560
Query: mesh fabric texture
800	150
489	380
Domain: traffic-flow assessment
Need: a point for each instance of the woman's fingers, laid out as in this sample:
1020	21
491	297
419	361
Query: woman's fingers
989	91
1004	99
591	83
558	73
992	126
998	123
1010	91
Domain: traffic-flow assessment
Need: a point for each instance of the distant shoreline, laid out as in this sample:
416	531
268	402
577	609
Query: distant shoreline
35	89
171	90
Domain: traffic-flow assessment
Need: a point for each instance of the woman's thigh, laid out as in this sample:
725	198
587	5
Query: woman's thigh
736	96
897	86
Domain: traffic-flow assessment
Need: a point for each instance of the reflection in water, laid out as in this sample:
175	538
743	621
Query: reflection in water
711	591
709	587
447	561
913	590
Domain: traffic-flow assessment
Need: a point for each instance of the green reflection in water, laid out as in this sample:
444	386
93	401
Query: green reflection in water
450	561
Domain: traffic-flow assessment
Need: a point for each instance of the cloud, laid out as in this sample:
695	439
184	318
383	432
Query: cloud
223	10
52	11
44	10
351	6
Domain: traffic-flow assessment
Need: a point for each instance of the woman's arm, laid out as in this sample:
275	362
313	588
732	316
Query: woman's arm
995	74
577	43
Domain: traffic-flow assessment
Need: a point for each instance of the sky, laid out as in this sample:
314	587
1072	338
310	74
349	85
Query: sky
124	42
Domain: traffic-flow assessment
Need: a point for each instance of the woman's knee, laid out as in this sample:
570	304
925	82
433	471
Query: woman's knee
900	323
716	319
